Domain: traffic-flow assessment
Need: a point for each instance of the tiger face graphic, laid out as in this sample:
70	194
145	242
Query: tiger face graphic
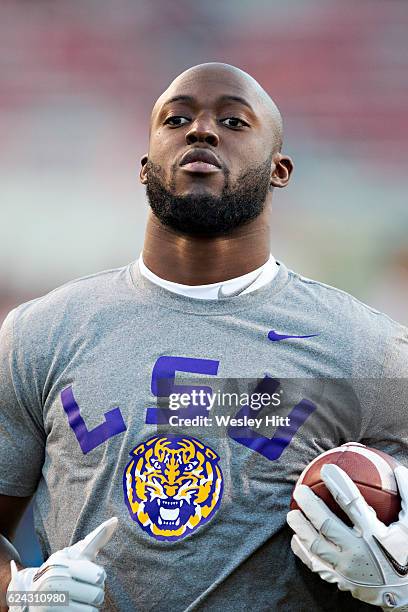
172	485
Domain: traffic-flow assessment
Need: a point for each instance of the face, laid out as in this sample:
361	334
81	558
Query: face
212	156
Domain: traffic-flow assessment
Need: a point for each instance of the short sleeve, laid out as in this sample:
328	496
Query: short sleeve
387	428
22	438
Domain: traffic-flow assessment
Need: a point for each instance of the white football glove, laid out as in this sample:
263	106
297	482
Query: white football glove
370	560
71	569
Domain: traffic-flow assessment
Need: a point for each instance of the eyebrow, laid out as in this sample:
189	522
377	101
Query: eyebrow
179	99
225	98
236	99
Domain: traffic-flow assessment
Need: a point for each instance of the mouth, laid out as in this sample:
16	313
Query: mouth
169	512
201	161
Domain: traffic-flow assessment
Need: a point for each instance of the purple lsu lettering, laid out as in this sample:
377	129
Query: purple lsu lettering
163	385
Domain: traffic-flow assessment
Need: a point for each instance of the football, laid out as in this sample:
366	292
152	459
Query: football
370	469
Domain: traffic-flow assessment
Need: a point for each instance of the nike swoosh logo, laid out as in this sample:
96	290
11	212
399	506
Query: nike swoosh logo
225	294
275	337
401	570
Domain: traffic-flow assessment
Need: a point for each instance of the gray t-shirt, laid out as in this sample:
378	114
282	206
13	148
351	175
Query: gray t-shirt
84	423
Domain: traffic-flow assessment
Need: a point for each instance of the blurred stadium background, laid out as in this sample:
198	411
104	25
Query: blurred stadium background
78	79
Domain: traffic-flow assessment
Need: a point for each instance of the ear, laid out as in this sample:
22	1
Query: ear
139	450
143	170
281	172
210	454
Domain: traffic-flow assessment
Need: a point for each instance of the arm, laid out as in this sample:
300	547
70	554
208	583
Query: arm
11	511
21	435
72	569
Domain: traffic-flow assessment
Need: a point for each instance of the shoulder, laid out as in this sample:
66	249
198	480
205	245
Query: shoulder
71	305
340	305
370	337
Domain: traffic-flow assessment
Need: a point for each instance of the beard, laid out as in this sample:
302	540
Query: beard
206	214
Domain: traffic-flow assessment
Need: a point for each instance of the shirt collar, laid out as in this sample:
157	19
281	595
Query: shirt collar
223	289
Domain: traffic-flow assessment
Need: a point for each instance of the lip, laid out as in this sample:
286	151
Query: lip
199	166
200	160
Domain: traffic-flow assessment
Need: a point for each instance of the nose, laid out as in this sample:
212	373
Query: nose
202	130
170	490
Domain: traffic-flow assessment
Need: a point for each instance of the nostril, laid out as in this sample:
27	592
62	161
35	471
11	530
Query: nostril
191	138
212	139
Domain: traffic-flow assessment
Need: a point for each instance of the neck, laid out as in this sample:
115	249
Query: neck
192	260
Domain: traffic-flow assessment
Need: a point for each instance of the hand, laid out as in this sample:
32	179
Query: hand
71	569
370	559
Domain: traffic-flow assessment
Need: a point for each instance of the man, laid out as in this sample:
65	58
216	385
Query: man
89	372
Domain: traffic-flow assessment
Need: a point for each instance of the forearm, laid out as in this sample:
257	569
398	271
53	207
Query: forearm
7	553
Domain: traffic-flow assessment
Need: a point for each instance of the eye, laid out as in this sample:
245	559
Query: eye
156	464
234	122
176	121
190	466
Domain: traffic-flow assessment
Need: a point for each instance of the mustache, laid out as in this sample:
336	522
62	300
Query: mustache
251	173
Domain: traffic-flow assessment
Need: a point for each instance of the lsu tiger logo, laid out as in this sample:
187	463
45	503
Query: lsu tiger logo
172	485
